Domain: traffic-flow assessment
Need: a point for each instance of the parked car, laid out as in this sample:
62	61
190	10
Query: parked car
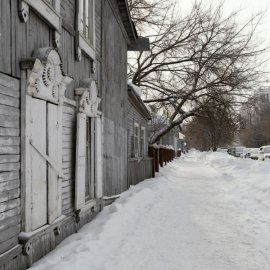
236	151
245	153
252	153
264	152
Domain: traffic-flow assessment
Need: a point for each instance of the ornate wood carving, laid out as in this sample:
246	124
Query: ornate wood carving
89	100
46	80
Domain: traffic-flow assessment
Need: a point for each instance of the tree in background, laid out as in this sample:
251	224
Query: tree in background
215	127
255	121
194	59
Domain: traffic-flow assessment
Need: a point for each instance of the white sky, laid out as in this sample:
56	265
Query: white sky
249	8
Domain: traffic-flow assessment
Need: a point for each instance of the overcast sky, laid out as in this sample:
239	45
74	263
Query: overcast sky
248	7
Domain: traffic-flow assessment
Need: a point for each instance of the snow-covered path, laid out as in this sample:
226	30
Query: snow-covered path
206	211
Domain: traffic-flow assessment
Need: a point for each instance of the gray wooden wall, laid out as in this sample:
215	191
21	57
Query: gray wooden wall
114	102
134	114
19	40
9	162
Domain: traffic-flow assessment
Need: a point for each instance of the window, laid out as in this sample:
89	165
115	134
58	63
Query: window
42	130
88	172
142	149
136	139
90	159
86	28
87	20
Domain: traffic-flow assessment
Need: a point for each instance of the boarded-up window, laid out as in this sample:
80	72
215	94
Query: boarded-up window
43	162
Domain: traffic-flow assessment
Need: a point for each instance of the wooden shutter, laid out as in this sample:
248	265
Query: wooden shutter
38	133
54	181
99	154
80	161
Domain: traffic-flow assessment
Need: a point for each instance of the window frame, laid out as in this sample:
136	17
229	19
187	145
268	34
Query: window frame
136	138
88	108
82	43
142	145
91	155
51	13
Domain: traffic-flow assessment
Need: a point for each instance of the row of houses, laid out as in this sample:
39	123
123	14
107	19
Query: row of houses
73	134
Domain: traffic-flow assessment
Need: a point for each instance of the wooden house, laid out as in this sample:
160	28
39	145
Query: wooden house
63	122
139	163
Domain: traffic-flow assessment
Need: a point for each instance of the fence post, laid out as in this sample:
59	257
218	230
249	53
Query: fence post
151	153
160	150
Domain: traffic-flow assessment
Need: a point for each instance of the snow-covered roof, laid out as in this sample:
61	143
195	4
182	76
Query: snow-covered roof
181	136
136	88
135	93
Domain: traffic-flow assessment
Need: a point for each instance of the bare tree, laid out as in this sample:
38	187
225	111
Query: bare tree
216	127
195	59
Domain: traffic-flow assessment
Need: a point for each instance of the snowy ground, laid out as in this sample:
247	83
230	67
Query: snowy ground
206	211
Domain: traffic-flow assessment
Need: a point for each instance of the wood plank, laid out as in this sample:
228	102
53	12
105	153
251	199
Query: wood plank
9	185
68	138
9	158
7	110
53	149
9	82
9	101
9	121
9	150
10	195
67	158
69	110
67	131
5	206
69	124
66	165
7	176
9	233
69	117
13	132
5	30
10	243
6	141
10	213
10	222
5	167
9	91
68	145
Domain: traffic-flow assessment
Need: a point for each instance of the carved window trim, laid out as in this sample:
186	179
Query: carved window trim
82	43
88	108
43	79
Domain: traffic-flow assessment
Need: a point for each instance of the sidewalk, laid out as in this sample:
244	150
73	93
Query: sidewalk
204	211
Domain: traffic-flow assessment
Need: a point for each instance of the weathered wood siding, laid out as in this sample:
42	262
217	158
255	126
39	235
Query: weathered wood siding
9	162
114	102
134	115
139	170
68	159
19	40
